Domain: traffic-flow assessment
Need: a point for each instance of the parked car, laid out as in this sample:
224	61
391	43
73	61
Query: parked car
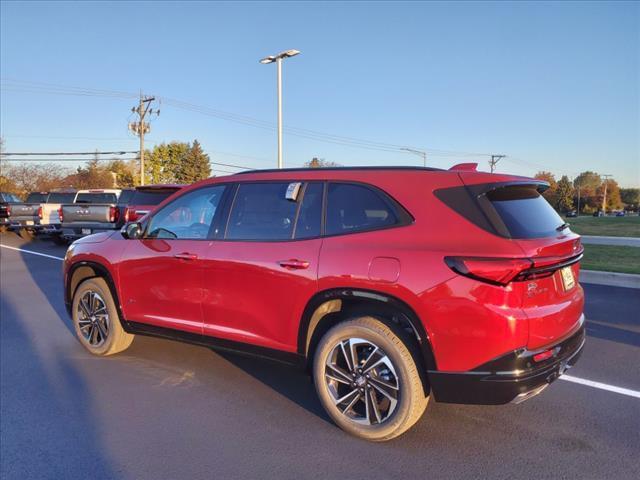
572	214
598	213
135	203
24	215
7	200
93	211
621	213
390	285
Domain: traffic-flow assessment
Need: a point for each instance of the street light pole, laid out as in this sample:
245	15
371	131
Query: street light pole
279	64
277	59
417	152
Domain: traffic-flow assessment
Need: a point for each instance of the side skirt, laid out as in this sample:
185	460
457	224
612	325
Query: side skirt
289	358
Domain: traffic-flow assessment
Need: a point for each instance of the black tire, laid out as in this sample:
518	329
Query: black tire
99	335
26	234
397	373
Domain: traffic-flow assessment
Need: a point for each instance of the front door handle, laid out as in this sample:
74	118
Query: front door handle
186	256
294	264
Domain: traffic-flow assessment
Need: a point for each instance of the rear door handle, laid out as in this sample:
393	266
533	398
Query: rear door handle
294	264
186	256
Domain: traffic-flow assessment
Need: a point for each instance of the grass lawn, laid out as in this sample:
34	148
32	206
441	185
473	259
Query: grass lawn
606	226
608	258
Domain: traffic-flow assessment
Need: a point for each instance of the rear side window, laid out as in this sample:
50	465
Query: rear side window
353	208
36	197
149	197
59	197
261	211
524	211
96	198
9	198
125	196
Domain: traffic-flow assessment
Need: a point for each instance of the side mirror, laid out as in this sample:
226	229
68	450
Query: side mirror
132	231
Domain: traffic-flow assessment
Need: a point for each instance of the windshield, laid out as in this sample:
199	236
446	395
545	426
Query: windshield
9	198
525	212
91	197
60	197
37	197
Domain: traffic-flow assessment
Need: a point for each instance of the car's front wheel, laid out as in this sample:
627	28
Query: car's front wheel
367	379
96	320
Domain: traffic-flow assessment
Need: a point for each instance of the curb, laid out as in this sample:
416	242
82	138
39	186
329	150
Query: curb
627	280
613	241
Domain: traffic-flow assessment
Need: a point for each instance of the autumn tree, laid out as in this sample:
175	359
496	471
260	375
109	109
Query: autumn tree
585	186
550	194
316	162
614	202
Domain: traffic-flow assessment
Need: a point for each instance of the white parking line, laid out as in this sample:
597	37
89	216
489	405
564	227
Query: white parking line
31	252
601	386
568	378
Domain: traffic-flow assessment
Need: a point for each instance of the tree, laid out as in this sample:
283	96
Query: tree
564	195
177	162
126	172
194	166
586	185
613	195
550	194
93	175
630	197
26	177
316	162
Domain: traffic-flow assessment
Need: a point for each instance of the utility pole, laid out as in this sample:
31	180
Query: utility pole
140	128
604	197
494	161
578	213
417	152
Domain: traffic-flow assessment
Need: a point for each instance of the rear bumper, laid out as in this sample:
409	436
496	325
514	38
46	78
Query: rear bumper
512	377
76	230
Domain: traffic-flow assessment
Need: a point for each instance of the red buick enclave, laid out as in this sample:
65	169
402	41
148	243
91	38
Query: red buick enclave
391	285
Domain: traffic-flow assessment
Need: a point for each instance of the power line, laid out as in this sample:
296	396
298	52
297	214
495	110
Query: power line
120	152
65	159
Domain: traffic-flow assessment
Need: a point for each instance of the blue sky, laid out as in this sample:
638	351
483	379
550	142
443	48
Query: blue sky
551	85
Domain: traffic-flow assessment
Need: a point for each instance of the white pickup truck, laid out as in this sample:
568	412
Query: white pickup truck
93	211
48	213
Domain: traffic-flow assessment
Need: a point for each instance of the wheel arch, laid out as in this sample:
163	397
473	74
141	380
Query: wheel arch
330	307
84	270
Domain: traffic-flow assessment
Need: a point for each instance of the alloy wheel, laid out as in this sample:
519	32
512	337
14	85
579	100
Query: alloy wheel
362	381
93	318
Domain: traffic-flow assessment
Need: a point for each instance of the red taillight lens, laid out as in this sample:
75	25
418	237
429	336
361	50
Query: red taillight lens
132	215
8	210
499	271
40	212
539	357
60	215
114	214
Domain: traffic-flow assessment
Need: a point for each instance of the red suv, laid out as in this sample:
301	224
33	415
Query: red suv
391	285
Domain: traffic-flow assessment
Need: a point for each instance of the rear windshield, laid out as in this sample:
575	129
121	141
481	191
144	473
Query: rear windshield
60	197
9	198
125	196
525	212
149	197
96	198
37	197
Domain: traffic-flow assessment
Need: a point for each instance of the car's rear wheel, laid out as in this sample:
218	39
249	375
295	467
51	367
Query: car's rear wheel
96	320
59	239
367	379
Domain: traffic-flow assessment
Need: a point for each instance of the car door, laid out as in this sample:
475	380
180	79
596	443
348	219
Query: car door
161	274
259	277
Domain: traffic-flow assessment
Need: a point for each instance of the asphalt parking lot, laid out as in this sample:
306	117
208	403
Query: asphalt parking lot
170	410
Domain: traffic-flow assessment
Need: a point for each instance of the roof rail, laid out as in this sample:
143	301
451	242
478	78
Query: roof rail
368	167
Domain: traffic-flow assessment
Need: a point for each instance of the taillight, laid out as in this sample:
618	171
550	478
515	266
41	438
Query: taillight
60	216
40	212
114	214
126	215
8	210
499	271
132	215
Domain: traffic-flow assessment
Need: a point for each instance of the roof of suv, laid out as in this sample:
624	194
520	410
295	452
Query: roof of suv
324	169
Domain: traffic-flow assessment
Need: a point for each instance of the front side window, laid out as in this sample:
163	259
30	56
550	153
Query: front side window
187	217
262	211
352	208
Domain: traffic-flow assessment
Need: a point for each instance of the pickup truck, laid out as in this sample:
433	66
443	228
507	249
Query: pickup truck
24	216
94	211
136	202
7	200
48	214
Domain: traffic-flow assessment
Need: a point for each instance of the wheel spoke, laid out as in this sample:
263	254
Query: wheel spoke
354	354
338	374
369	358
84	307
352	403
346	397
103	329
382	391
347	358
374	404
382	383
